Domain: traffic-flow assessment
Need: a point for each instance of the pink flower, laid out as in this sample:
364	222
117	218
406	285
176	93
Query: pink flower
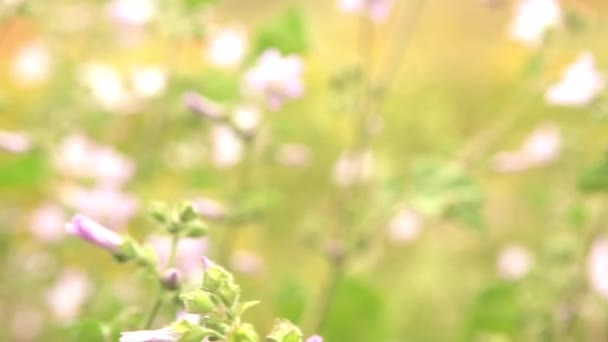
210	209
132	12
597	266
276	78
200	104
159	335
47	223
67	296
377	10
352	168
14	142
540	148
580	84
314	338
514	262
405	226
188	256
94	233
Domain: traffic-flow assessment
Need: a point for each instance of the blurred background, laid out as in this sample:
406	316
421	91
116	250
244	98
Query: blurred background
475	210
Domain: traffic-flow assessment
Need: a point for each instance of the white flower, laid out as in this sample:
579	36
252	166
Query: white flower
149	81
405	226
14	142
107	87
533	18
227	48
32	64
580	84
132	12
353	167
246	118
46	223
514	262
597	266
540	148
276	78
377	10
227	147
66	297
160	335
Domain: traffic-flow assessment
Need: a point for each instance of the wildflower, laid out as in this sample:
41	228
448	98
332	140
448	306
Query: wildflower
514	262
32	64
149	81
276	78
227	147
46	223
159	335
377	10
227	48
294	155
580	84
67	296
14	142
246	119
597	266
188	255
404	226
94	233
541	147
203	106
533	18
107	87
353	167
132	12
314	338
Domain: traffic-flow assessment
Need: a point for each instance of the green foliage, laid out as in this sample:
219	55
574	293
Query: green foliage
284	331
288	33
290	300
23	171
595	178
88	330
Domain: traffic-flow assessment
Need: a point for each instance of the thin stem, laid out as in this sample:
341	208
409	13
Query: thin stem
173	251
155	308
327	295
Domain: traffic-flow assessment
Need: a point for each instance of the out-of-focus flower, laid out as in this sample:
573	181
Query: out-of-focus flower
246	262
353	167
514	262
597	266
405	226
227	147
377	10
160	335
94	233
533	18
31	65
46	223
203	106
171	278
294	155
210	209
80	157
227	47
14	142
132	12
246	118
27	323
66	297
149	81
188	255
277	78
183	315
580	84
314	338
107	87
540	148
105	204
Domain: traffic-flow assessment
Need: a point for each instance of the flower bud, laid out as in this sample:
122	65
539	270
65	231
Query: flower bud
284	331
203	106
198	302
314	338
94	233
245	333
171	279
221	282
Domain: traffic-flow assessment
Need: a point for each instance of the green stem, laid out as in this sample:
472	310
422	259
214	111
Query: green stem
327	295
173	251
155	308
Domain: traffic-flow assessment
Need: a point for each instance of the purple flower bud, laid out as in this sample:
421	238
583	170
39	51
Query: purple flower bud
171	279
94	233
314	338
203	106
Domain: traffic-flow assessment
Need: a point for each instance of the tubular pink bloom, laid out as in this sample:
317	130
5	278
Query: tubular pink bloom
159	335
314	338
276	78
94	233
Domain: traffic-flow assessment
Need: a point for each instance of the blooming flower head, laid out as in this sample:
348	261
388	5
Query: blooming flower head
404	226
514	262
227	147
132	12
150	81
314	338
94	233
276	78
159	335
541	147
580	84
47	222
227	47
107	87
533	18
597	266
32	64
377	10
14	142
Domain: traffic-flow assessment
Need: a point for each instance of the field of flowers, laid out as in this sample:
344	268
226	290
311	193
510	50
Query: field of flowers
303	170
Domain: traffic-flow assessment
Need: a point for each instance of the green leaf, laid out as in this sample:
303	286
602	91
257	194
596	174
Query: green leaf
247	305
284	331
288	33
595	178
88	330
290	300
23	171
